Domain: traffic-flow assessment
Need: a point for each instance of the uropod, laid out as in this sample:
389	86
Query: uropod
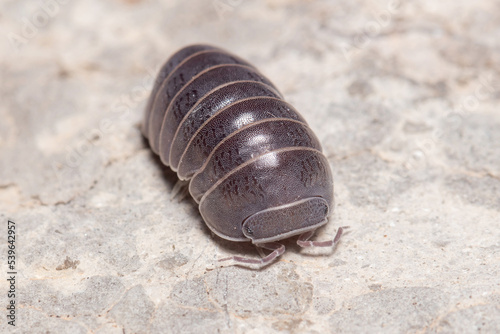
254	166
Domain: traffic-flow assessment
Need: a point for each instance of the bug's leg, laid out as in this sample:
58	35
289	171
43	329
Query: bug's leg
277	250
303	240
261	252
180	190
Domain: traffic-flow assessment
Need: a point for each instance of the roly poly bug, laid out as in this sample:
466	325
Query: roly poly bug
255	167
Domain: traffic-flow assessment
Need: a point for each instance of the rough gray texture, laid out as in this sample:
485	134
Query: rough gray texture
403	95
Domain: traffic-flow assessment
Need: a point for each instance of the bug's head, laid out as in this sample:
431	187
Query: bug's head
286	220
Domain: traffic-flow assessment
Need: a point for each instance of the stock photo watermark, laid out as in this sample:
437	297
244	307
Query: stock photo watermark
121	110
454	119
11	272
32	24
371	29
419	157
225	7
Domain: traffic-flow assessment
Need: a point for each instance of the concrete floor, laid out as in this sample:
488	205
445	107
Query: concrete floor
404	96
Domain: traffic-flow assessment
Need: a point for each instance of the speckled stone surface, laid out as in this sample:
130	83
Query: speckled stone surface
404	96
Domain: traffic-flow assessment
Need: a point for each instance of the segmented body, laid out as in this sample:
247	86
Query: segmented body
255	167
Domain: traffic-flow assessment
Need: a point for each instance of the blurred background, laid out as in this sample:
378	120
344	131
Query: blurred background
402	94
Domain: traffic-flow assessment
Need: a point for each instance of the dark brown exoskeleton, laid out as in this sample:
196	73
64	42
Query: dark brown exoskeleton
255	167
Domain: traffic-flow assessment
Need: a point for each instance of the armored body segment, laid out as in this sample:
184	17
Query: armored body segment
256	168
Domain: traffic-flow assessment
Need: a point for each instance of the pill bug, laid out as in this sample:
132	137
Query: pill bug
255	167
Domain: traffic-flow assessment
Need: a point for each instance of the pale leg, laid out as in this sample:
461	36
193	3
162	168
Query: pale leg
277	250
303	241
